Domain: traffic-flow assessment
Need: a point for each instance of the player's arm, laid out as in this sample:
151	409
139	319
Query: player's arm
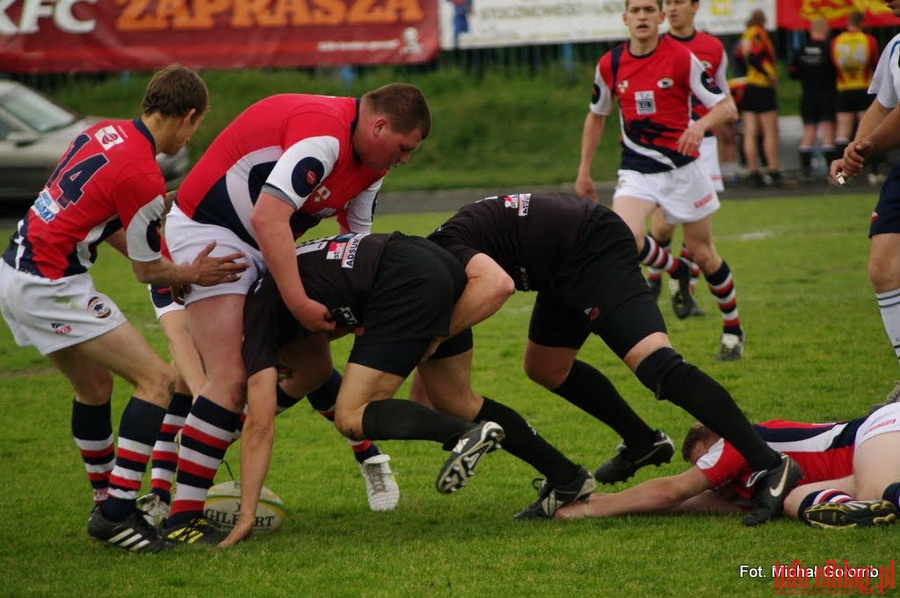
708	501
487	289
591	133
653	496
271	221
117	242
257	439
874	135
721	106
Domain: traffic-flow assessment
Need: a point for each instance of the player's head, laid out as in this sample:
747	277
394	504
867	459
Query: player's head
659	4
174	92
643	18
697	441
855	19
174	105
757	18
680	14
818	29
394	120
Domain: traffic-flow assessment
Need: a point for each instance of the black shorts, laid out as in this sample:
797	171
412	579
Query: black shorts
817	108
600	289
759	99
410	304
886	218
854	100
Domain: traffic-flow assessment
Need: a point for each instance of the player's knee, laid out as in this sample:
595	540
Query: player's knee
348	423
545	373
883	272
156	383
654	369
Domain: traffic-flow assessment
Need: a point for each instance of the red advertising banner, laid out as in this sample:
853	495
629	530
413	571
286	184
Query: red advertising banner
44	36
797	14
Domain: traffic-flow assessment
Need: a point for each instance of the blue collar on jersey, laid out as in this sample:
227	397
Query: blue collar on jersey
143	130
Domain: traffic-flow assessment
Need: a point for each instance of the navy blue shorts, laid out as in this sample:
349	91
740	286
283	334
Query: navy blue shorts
886	217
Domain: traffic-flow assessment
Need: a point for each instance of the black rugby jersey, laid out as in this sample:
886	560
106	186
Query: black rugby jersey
529	236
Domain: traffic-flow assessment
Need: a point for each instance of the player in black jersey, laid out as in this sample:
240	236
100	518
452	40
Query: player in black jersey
581	259
396	293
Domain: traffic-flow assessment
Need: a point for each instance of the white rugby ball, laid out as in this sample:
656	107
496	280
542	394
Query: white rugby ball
223	505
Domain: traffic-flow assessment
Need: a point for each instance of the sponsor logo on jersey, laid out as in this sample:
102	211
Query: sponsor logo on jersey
44	206
665	83
100	309
108	136
511	201
60	328
306	175
350	254
622	87
524	201
335	250
709	83
645	102
703	201
592	313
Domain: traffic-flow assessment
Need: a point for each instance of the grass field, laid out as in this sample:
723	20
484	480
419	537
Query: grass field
816	351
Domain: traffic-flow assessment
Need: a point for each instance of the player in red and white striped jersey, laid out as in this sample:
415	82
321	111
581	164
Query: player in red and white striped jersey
281	166
851	474
108	186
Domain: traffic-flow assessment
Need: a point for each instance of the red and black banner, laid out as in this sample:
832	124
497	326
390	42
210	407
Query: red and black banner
38	36
798	14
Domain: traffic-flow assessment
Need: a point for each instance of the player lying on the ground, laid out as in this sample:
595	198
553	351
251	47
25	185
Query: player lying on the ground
581	259
851	474
397	315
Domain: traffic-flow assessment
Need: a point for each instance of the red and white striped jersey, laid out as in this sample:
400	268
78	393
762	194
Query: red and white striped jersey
711	53
107	179
293	146
654	93
823	451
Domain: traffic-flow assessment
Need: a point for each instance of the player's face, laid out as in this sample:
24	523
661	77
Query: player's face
182	134
643	18
390	148
680	13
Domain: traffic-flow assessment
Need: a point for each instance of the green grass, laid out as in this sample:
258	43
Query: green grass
498	130
816	351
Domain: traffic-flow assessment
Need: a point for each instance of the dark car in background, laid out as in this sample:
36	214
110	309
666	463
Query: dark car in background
34	133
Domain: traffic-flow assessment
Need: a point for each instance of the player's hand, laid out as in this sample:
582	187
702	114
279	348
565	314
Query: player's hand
584	187
240	532
689	142
314	317
855	156
215	270
838	174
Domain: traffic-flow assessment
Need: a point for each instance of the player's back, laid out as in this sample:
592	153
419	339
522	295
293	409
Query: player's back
107	175
855	54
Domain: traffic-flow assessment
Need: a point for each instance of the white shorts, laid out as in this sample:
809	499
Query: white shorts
685	194
54	314
163	302
885	419
187	238
709	159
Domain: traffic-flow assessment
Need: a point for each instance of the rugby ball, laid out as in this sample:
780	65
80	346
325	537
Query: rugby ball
223	504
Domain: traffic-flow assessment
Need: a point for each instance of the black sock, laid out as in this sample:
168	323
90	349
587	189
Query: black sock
324	397
589	390
399	419
892	493
524	442
706	399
